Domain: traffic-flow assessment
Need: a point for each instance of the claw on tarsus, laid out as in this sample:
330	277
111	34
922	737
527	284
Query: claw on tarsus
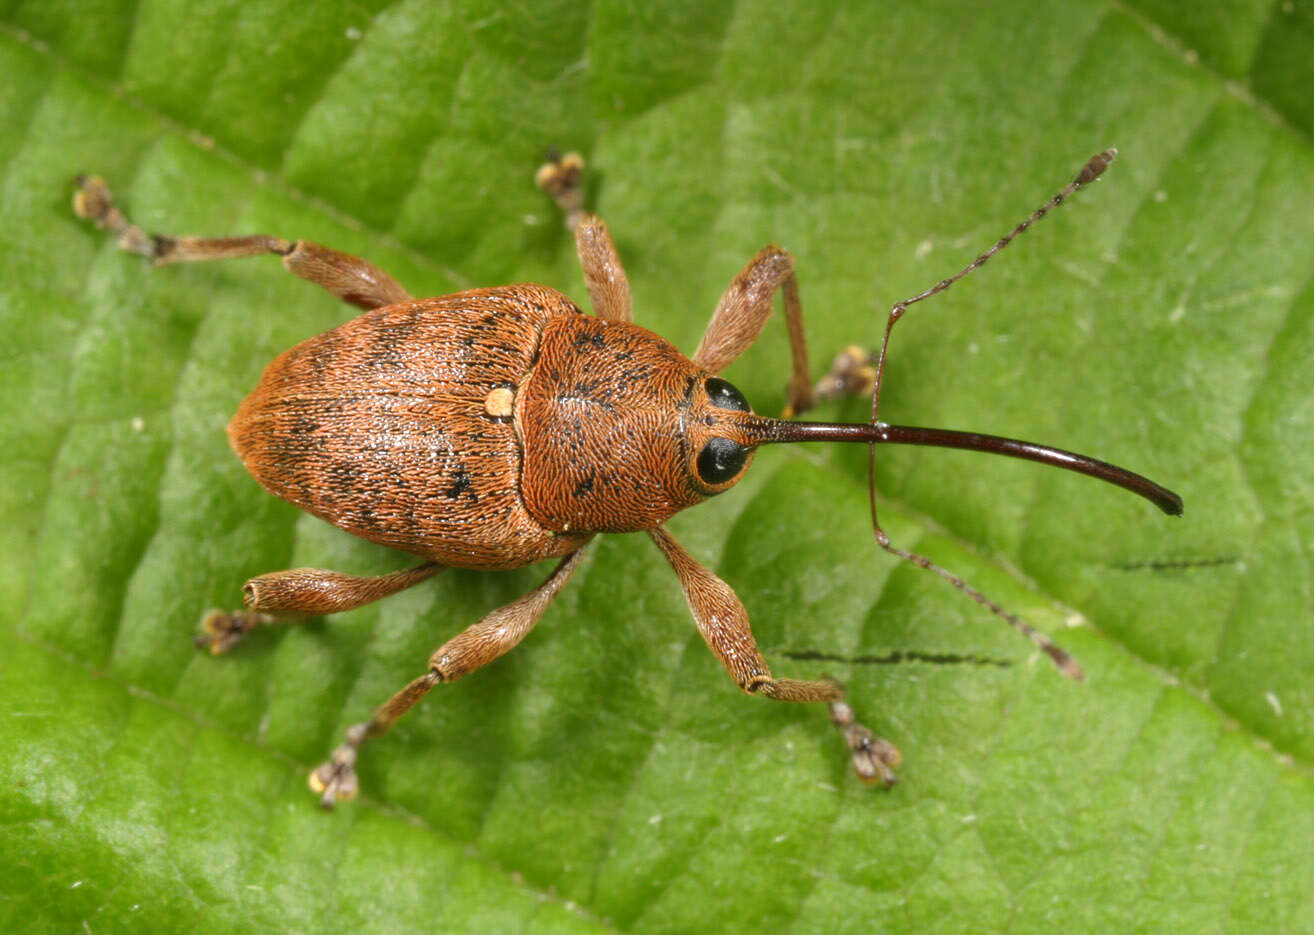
221	630
335	780
873	758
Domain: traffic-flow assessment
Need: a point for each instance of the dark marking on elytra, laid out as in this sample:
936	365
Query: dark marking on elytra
461	483
302	424
584	486
387	351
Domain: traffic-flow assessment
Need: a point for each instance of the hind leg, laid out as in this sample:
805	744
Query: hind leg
348	277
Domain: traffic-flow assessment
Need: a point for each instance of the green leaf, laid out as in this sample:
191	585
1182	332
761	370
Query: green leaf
606	775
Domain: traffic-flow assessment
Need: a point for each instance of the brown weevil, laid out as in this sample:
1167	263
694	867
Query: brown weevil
495	428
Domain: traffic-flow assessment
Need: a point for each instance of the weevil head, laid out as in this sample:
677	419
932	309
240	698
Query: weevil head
620	431
718	447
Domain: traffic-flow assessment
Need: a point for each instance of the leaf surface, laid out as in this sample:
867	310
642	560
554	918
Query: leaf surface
606	776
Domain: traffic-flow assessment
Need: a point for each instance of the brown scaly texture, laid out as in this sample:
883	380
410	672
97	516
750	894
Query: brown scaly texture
612	417
379	426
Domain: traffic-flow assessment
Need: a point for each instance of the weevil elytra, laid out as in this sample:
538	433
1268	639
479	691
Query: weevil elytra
495	428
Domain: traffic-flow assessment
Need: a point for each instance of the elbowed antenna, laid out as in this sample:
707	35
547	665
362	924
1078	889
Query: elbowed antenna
761	431
764	431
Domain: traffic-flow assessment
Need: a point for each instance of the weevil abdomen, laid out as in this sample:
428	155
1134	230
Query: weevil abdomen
384	426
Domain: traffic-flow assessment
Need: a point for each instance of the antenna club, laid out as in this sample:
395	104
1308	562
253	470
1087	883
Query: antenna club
1064	662
1095	168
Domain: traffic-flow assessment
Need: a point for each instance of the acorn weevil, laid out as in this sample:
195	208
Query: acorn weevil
494	428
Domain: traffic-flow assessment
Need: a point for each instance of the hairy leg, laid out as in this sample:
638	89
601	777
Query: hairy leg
348	277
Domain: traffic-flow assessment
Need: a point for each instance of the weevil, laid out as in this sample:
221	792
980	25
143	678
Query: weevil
495	428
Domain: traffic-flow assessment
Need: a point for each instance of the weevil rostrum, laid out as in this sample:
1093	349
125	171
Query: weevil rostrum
495	428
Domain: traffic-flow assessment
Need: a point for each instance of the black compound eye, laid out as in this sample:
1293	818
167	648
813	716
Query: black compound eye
724	396
721	459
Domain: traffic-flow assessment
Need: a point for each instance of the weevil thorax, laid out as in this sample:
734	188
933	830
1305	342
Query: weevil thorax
621	431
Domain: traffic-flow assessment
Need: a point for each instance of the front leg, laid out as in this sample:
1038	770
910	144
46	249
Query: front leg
723	623
741	315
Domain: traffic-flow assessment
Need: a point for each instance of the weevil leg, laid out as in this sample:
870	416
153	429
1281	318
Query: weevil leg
609	289
560	177
723	623
283	596
474	647
741	315
852	373
353	280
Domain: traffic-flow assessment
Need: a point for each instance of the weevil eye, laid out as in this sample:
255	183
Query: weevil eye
724	396
720	460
